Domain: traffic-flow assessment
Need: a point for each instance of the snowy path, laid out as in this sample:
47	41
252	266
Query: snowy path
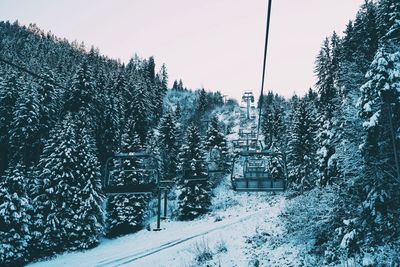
235	217
217	227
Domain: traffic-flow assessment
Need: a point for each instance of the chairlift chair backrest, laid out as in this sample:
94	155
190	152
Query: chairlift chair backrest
111	172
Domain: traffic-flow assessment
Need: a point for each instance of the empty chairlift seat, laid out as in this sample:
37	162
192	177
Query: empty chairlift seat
251	175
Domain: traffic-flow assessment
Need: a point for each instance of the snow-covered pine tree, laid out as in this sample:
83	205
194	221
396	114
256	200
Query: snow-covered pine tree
10	86
139	106
178	112
273	122
336	51
201	105
88	226
15	219
175	85
68	196
388	13
302	147
168	146
25	127
327	103
216	145
112	118
82	92
195	191
380	109
267	125
125	213
180	85
48	104
159	91
56	188
278	129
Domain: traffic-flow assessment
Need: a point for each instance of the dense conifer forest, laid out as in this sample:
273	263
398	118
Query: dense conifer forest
341	142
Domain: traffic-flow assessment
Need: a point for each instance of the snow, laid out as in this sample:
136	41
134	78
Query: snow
373	121
347	239
368	260
235	218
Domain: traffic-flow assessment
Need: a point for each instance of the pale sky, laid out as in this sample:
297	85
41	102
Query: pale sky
215	44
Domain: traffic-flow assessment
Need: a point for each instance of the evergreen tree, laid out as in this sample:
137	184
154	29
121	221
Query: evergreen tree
325	78
15	219
302	147
268	125
68	192
180	85
178	112
217	146
327	104
150	68
48	104
194	184
380	109
365	35
112	119
175	85
337	56
279	129
273	124
25	128
9	88
168	145
55	189
139	107
201	105
388	18
88	228
82	92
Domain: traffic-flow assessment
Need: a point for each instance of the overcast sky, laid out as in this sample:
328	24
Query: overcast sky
215	44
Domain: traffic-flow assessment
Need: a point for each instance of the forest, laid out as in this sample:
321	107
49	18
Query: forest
341	142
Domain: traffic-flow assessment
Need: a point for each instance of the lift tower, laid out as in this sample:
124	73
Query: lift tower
248	98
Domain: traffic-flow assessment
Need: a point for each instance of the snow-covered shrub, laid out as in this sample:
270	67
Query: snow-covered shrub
202	252
221	246
308	218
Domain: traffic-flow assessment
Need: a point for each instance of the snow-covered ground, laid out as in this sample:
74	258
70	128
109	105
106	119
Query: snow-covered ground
231	231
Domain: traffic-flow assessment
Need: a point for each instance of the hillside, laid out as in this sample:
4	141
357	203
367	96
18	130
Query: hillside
94	153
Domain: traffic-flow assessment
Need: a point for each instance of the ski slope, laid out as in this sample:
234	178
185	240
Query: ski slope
235	217
237	220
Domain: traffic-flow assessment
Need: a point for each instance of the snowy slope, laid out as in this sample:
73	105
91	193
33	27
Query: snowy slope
236	217
241	230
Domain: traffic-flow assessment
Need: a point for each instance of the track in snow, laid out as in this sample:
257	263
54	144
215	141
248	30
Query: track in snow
140	255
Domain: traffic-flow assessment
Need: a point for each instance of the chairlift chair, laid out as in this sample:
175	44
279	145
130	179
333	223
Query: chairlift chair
250	172
152	185
111	171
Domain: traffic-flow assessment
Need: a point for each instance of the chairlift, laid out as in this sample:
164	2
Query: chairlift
212	170
247	135
246	144
112	170
148	168
251	172
248	96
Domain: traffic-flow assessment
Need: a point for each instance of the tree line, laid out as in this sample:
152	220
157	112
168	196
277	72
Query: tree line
344	134
56	134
